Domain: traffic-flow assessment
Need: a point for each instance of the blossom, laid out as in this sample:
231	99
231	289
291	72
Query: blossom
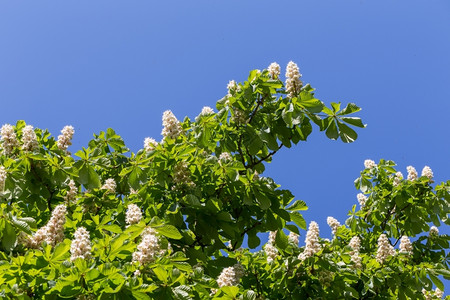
405	245
172	127
312	244
133	214
230	276
206	111
293	238
8	138
65	138
361	199
434	231
385	249
81	245
274	70
2	177
239	116
182	175
148	249
150	144
293	82
225	156
232	87
412	173
436	294
109	185
53	232
426	171
272	236
72	192
29	139
355	244
397	178
333	223
369	164
270	251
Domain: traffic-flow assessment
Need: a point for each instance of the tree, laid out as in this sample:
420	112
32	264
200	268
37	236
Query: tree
169	221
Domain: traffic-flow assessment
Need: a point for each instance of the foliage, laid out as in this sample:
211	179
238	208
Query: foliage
202	193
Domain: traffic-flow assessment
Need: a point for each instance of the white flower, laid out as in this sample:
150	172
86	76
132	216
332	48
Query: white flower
412	173
8	138
272	236
2	177
109	185
426	171
172	127
53	232
225	156
150	144
65	138
438	293
293	82
29	139
385	249
230	276
355	244
239	116
81	245
182	175
274	70
232	87
133	214
405	245
434	231
206	111
149	248
293	238
312	241
333	223
369	164
72	192
270	251
361	199
397	178
137	273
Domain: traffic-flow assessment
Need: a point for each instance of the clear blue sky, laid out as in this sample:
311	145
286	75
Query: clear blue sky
120	64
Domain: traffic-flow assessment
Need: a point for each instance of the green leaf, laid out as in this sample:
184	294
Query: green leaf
353	121
169	231
9	237
347	134
112	227
61	251
281	240
332	132
298	205
436	281
298	219
262	199
349	109
253	240
250	295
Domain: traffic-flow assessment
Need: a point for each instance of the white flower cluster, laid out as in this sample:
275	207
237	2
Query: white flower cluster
148	249
293	82
29	139
274	70
72	192
172	127
53	232
150	144
293	238
65	138
385	249
225	156
334	224
81	245
239	116
436	294
369	164
271	252
109	185
397	178
2	178
206	111
182	175
8	138
355	244
412	173
427	172
272	236
232	87
230	276
133	214
325	277
434	231
312	241
405	245
361	199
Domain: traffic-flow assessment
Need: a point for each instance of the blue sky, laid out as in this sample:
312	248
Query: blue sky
121	64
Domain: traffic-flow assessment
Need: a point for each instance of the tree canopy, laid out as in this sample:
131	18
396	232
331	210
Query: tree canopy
170	221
